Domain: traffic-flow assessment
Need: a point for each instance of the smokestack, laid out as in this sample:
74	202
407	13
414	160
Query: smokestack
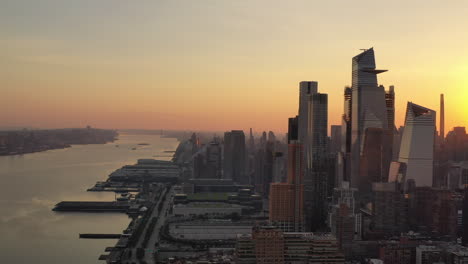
442	118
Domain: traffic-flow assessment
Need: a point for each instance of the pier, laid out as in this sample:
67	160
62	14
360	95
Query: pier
113	189
142	190
92	207
101	236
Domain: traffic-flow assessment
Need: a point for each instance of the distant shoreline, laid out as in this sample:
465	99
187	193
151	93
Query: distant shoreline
14	143
55	148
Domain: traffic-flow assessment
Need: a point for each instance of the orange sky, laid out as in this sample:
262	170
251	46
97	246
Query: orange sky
219	65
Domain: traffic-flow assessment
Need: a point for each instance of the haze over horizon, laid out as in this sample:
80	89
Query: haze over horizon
219	65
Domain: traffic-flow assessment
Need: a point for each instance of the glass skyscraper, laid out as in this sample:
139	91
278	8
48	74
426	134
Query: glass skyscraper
417	144
369	109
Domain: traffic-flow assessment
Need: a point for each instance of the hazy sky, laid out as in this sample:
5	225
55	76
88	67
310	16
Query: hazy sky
219	64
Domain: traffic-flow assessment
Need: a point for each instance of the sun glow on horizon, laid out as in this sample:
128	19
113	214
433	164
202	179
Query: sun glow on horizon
219	65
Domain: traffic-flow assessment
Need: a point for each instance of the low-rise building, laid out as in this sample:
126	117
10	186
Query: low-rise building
147	170
428	254
245	249
207	208
458	255
271	245
211	229
397	253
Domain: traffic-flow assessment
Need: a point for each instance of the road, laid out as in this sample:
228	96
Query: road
161	220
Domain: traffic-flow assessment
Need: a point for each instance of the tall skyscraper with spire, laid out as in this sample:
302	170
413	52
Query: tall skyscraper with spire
442	119
390	103
346	121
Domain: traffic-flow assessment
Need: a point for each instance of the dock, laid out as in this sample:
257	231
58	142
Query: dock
92	207
101	236
113	189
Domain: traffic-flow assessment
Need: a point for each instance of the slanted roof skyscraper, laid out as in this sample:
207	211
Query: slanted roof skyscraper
417	144
369	107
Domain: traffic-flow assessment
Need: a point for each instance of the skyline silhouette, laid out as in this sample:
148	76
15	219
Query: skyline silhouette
218	65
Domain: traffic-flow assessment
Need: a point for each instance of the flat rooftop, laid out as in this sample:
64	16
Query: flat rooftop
209	196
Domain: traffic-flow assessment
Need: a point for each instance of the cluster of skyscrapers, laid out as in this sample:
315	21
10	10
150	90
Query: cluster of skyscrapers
368	181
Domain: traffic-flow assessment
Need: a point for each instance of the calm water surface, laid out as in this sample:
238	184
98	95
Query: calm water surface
33	183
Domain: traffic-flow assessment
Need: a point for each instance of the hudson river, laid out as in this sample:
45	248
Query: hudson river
33	183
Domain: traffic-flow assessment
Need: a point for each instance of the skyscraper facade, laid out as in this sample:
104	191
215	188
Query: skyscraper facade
465	218
457	144
390	103
335	139
286	208
388	207
317	162
213	158
442	118
375	158
432	210
207	161
306	88
262	175
287	199
270	245
417	144
343	164
393	132
317	128
234	157
346	120
369	110
251	141
344	221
